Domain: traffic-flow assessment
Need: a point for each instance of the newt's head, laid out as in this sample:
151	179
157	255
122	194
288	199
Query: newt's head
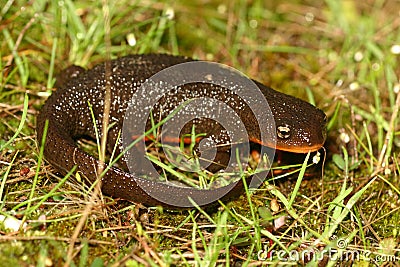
300	127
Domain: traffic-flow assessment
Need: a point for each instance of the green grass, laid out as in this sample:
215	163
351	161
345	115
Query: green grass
339	55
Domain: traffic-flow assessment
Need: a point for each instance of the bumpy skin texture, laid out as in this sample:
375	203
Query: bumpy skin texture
69	118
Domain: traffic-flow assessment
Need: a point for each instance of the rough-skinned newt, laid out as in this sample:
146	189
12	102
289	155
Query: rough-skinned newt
300	127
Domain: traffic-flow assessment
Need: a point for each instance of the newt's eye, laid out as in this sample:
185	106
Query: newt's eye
283	131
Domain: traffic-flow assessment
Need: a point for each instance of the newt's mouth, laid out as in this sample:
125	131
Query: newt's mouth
292	149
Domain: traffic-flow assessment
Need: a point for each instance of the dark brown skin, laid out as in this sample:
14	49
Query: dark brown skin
69	119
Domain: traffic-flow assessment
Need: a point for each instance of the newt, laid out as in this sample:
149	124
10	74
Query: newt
299	127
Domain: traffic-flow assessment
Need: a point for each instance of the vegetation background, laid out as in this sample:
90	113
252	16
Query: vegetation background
342	56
